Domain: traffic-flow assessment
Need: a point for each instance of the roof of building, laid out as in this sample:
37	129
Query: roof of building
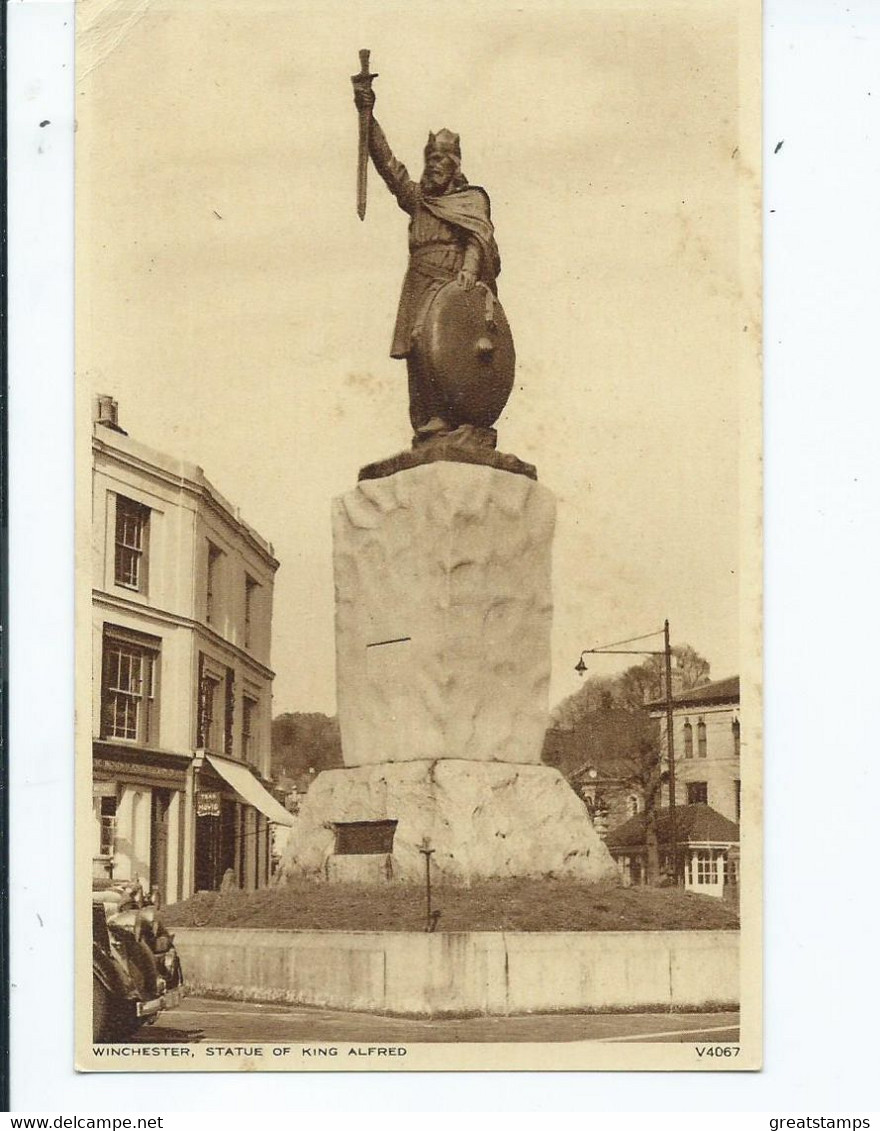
694	823
718	691
114	439
612	770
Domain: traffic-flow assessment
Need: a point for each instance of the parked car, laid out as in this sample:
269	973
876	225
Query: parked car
136	970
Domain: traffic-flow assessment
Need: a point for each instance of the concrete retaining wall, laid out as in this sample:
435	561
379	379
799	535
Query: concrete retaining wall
460	973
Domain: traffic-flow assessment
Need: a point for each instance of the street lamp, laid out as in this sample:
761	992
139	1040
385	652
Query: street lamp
431	916
614	650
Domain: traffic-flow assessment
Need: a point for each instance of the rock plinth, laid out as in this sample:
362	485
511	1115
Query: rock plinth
443	615
443	619
483	820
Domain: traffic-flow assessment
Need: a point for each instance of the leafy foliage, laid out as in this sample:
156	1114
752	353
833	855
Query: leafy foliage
606	725
303	741
632	689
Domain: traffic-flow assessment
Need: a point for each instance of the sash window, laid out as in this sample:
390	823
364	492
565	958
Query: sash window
130	688
132	530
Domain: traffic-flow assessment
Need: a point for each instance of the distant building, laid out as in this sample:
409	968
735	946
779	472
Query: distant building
292	789
182	613
706	740
706	732
609	793
708	848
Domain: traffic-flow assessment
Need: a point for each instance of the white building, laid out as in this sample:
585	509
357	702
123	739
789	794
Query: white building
706	732
182	614
707	848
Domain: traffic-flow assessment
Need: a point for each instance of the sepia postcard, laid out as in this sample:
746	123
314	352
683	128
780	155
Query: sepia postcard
418	535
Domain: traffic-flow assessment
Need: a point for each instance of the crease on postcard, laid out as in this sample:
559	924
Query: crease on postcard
102	26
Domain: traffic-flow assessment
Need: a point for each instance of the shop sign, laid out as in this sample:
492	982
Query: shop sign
208	803
139	773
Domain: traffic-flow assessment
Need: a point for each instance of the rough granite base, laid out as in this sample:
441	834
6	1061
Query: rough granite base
483	820
443	616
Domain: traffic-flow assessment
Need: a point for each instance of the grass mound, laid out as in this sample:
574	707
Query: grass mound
492	905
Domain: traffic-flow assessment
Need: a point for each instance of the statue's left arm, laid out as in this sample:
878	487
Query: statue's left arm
470	263
469	211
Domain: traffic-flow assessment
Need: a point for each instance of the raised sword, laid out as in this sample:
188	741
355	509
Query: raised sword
363	79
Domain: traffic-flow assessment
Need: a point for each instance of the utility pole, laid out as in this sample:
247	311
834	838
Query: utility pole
614	650
670	751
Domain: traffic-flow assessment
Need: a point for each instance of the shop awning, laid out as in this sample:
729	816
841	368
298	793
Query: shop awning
250	790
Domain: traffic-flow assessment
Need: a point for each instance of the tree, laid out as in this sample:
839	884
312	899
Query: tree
633	688
603	737
302	741
643	767
606	724
693	667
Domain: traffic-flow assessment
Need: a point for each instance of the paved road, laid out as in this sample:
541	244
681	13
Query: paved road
199	1019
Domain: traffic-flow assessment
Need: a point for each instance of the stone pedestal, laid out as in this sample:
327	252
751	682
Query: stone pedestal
443	619
443	615
484	820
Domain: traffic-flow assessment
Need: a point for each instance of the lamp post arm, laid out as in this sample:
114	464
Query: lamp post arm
670	740
619	652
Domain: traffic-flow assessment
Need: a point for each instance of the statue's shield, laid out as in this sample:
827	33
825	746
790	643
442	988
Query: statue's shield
464	343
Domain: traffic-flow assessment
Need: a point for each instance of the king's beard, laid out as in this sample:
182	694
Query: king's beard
431	187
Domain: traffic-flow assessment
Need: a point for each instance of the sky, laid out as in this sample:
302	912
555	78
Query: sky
231	300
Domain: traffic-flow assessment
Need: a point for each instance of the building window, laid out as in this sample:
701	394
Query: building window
632	805
734	726
701	739
129	691
229	715
697	793
209	735
688	740
107	844
132	531
249	729
209	738
706	870
250	597
737	799
213	577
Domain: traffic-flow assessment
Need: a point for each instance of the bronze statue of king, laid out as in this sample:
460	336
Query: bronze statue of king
450	327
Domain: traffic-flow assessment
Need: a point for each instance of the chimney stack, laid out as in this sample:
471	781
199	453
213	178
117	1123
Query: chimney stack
106	413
